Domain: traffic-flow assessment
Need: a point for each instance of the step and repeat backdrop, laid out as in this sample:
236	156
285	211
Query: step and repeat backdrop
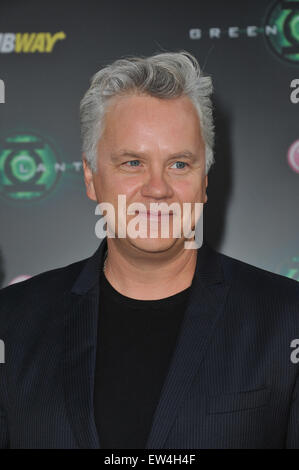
48	53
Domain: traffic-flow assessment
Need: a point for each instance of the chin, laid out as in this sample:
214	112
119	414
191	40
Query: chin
153	245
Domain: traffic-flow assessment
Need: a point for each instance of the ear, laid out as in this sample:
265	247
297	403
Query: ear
88	180
206	185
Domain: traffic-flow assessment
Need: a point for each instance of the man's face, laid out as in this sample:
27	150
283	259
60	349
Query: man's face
142	154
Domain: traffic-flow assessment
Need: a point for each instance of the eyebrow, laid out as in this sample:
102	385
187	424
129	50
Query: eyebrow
131	153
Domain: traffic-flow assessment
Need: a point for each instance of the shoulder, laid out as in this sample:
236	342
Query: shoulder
260	290
258	278
60	279
38	291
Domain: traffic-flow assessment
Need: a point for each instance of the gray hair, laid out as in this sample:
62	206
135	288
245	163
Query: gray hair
166	75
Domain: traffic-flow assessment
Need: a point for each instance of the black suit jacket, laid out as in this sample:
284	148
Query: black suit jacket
231	382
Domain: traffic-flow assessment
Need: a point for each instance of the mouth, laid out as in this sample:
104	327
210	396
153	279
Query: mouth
156	215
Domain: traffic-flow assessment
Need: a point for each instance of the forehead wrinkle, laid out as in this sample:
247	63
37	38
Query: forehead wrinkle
131	153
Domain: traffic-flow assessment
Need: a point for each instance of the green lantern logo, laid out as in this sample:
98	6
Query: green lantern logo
284	16
290	268
27	166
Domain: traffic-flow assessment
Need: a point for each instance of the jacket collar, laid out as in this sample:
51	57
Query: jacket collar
81	308
208	268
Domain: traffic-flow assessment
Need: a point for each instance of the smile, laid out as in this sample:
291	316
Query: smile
155	214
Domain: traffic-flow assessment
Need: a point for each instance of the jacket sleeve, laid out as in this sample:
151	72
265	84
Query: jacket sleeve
292	438
4	436
4	440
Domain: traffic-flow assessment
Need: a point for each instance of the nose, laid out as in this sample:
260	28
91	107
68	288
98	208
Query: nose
156	185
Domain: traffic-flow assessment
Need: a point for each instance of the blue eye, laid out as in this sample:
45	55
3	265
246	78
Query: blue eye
132	161
181	163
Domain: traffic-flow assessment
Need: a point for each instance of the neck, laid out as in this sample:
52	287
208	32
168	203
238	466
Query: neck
148	275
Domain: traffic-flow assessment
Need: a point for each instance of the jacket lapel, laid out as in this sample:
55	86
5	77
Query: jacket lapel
81	307
206	302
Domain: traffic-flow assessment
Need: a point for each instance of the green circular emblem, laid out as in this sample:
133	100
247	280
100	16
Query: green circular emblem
290	268
284	17
27	166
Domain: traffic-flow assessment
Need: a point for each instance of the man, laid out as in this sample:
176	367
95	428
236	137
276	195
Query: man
148	344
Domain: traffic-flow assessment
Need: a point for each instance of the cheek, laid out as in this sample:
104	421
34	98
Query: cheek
128	186
109	187
189	191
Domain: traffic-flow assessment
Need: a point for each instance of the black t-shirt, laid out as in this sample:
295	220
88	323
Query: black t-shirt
136	340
